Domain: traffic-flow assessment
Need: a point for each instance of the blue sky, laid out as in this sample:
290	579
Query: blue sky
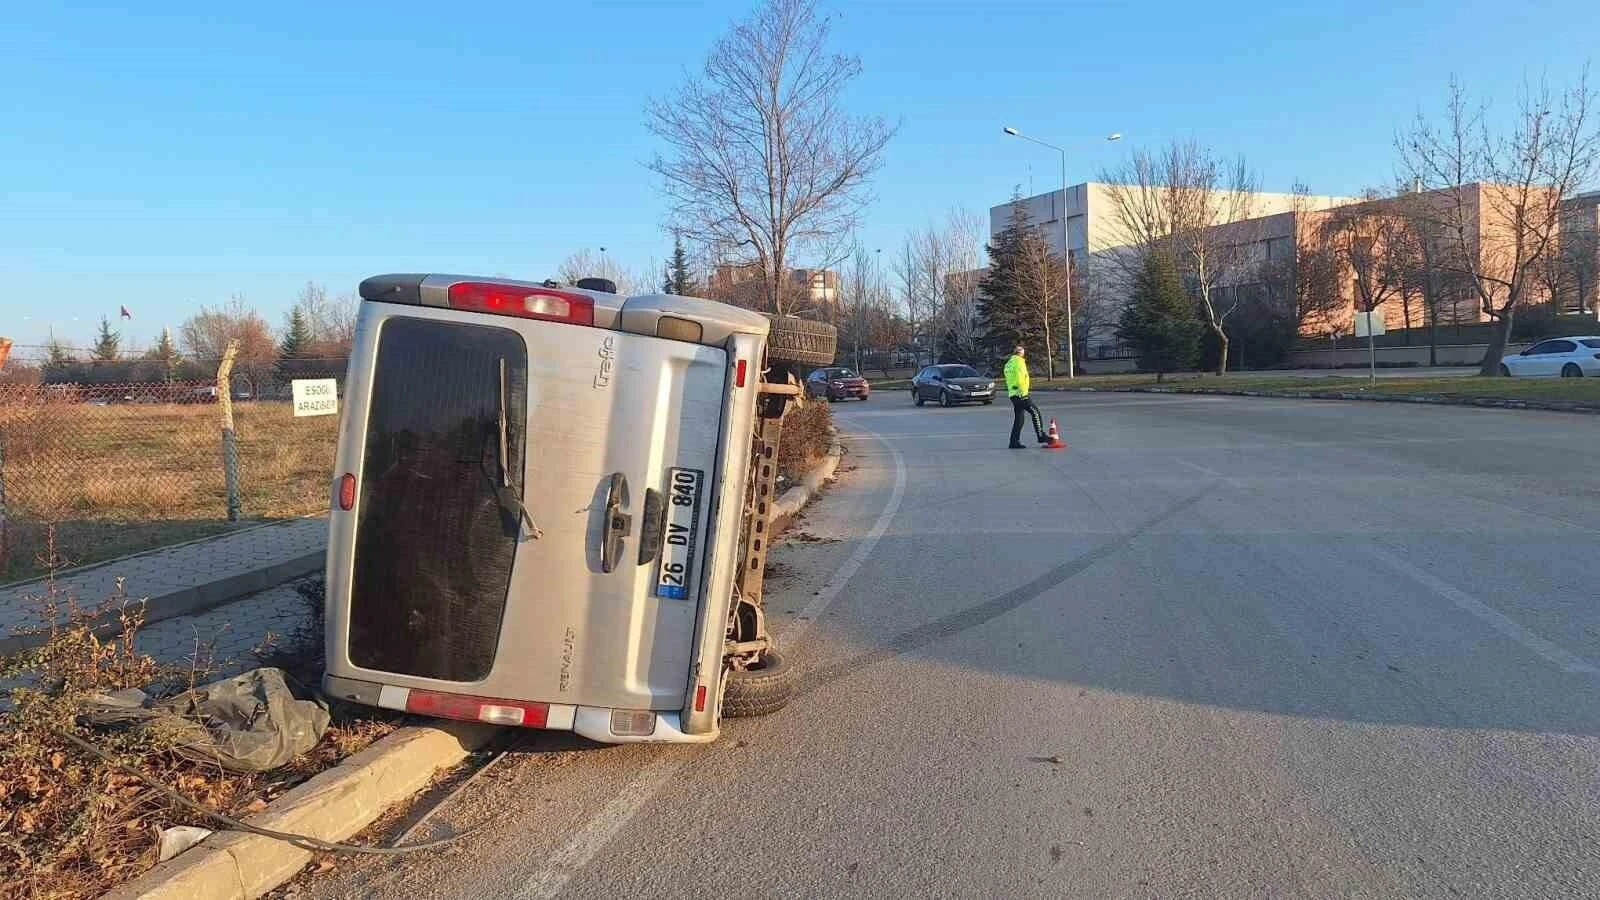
165	157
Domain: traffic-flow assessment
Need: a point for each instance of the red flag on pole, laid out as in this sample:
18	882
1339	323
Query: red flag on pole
126	314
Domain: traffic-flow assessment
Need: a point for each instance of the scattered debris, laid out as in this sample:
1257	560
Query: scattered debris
179	838
1053	760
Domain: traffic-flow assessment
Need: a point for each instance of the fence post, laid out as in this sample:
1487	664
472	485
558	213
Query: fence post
5	527
230	442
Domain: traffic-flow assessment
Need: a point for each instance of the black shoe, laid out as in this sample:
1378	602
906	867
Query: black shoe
1015	447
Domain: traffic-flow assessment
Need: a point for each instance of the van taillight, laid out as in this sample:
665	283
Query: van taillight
527	302
477	709
738	374
347	491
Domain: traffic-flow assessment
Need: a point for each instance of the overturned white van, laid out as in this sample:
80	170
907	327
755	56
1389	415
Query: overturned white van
550	506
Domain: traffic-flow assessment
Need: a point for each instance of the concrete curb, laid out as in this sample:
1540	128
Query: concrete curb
797	496
332	806
1428	399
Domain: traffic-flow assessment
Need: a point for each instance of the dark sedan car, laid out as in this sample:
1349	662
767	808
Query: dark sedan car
837	383
951	384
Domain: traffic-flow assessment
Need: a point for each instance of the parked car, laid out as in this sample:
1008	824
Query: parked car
837	383
951	384
1570	357
543	509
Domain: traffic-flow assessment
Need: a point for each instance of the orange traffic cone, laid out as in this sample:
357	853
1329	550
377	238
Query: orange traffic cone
1055	438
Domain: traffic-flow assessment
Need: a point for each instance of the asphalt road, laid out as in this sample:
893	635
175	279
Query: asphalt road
1219	647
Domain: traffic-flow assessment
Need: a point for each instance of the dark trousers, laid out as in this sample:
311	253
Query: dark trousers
1021	406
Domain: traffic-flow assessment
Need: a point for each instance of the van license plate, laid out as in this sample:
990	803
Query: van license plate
675	575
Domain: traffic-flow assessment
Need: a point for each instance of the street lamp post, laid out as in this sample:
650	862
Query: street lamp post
1066	241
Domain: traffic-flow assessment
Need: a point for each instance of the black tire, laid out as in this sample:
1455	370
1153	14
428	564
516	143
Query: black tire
944	399
758	692
989	402
801	341
1571	370
916	397
1505	371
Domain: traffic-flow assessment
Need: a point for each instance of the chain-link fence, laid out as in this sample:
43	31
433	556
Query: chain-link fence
110	469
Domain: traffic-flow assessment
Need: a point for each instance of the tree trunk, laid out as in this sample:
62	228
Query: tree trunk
1049	351
1433	337
1222	347
1499	336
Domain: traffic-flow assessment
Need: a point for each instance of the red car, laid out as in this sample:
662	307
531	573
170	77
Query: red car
837	383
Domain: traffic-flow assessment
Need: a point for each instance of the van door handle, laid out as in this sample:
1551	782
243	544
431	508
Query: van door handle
618	523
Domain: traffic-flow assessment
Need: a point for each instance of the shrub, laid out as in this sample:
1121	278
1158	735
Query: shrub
805	438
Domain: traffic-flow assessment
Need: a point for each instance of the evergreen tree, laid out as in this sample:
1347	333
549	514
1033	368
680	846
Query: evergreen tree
677	277
60	356
165	354
1022	297
107	344
1160	322
999	300
296	335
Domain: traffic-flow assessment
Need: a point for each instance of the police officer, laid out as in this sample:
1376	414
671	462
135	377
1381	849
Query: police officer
1017	390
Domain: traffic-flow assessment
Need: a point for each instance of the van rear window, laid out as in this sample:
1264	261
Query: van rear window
434	544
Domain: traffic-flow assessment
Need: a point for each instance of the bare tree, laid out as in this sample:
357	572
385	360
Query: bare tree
764	161
1498	196
1173	201
341	321
1368	241
205	335
939	271
862	307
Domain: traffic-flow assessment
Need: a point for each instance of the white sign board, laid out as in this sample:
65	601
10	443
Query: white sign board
316	396
1369	323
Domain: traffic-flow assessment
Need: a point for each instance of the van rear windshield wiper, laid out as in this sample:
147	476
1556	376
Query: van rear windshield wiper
509	500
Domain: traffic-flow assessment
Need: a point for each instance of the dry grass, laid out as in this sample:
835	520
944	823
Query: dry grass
73	826
124	478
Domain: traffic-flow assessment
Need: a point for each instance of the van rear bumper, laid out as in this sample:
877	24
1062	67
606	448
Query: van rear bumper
592	722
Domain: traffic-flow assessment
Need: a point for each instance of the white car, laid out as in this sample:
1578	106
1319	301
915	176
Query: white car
1569	357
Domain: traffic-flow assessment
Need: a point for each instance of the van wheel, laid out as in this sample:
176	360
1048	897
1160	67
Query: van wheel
758	692
801	341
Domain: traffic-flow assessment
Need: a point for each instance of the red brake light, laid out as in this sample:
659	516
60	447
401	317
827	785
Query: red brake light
347	491
477	709
738	374
527	302
700	698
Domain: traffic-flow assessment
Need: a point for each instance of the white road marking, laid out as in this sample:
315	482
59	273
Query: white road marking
863	550
599	831
1561	659
1226	479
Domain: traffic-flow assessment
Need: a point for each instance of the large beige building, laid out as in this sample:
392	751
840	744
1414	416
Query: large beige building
1096	235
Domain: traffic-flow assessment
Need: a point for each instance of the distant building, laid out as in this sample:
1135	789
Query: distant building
816	289
1580	254
1275	244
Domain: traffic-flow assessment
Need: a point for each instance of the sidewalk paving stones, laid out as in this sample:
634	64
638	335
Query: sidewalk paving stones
180	580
